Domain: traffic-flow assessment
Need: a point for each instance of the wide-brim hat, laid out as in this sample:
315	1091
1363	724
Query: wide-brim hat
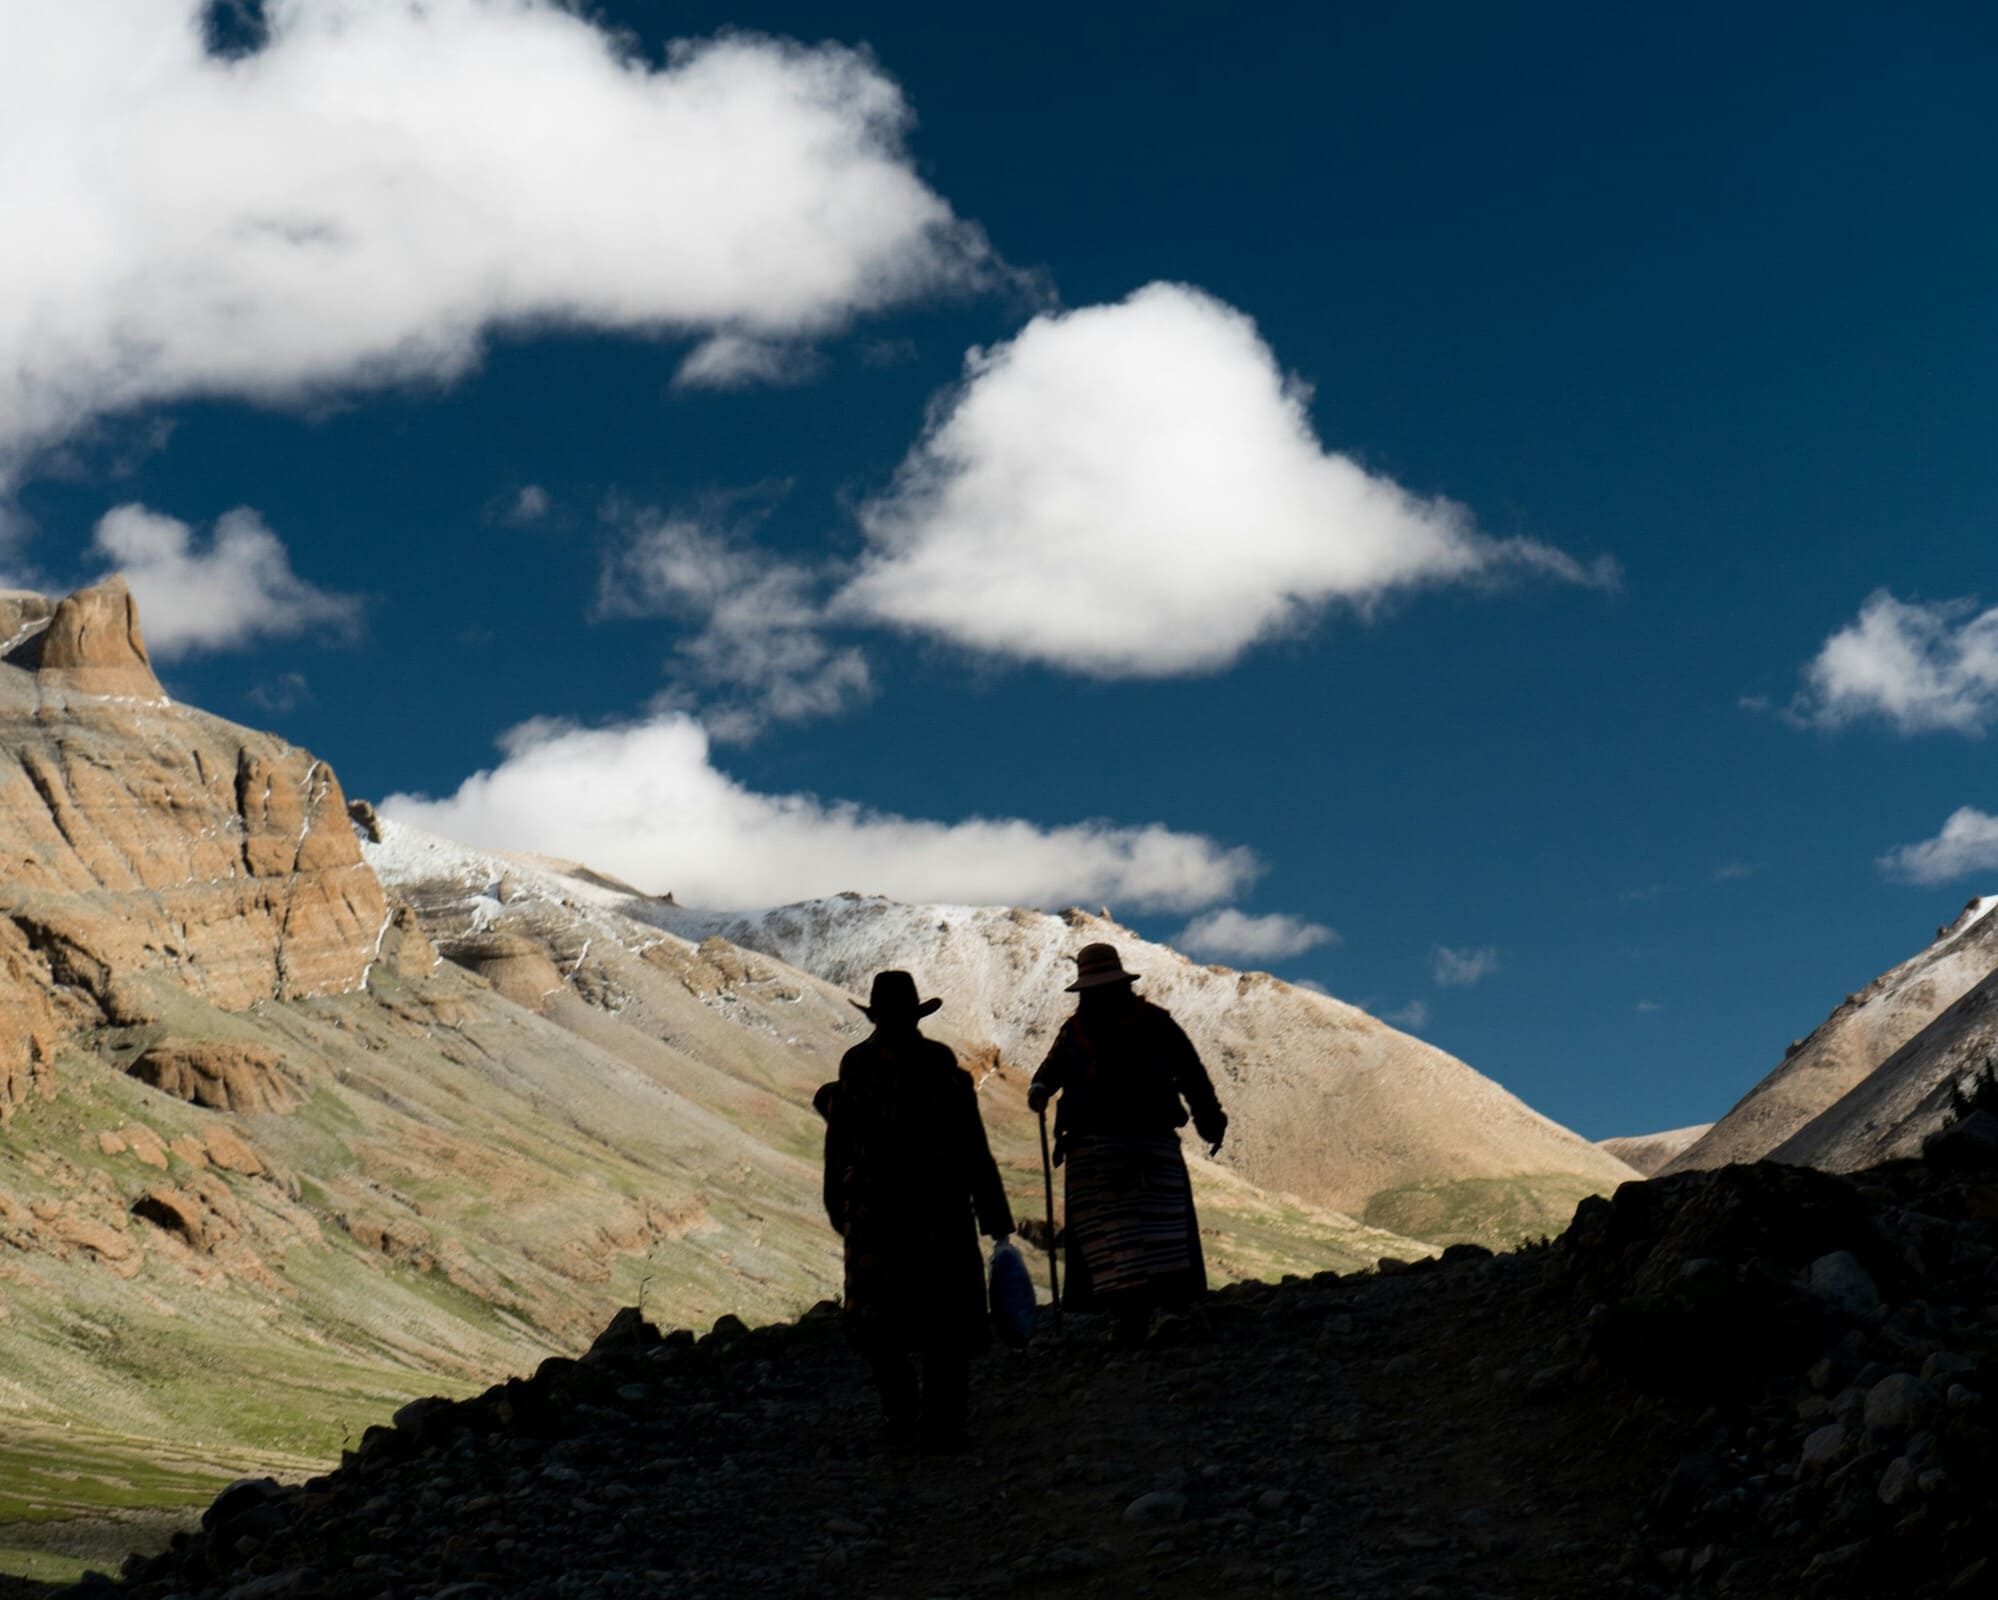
893	999
1097	965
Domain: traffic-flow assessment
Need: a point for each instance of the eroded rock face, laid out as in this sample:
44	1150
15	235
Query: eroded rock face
221	1076
144	843
93	645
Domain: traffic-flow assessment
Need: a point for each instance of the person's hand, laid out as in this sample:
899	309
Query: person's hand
1037	1098
1213	1129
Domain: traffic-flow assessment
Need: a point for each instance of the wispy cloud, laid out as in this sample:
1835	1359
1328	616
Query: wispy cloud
760	654
1735	871
1413	1016
1967	843
372	187
1644	891
1232	934
646	802
1918	668
1459	969
1135	490
1646	1007
736	361
526	507
232	590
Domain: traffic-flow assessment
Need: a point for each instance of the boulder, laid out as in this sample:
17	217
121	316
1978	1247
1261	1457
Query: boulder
220	1075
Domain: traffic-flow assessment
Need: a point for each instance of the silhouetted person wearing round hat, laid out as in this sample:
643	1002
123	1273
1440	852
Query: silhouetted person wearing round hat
1127	1077
907	1172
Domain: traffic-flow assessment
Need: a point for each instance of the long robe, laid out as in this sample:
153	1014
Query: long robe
1127	1076
910	1184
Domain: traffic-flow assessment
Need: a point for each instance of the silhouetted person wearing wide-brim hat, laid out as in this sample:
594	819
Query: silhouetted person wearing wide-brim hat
907	1173
1127	1077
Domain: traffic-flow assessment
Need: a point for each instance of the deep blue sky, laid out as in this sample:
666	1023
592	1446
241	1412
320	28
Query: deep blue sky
1705	289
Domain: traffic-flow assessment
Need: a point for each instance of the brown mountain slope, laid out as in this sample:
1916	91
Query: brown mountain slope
1893	1109
1647	1152
1870	1026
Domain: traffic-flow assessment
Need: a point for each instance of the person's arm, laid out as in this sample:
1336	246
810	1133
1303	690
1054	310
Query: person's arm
1048	1080
833	1187
1191	1083
988	1192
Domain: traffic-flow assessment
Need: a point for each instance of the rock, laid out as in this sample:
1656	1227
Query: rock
1900	1403
1944	1367
1840	1279
1823	1445
146	1145
1551	1382
1160	1505
1897	1483
92	645
232	1153
222	1076
175	1213
513	964
1969	1145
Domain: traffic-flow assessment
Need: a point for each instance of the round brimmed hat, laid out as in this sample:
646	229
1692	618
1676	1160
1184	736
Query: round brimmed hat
893	999
1097	965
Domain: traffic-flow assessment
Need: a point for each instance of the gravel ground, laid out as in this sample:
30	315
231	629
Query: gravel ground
1758	1381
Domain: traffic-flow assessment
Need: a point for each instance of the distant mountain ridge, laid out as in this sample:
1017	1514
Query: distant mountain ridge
1328	1103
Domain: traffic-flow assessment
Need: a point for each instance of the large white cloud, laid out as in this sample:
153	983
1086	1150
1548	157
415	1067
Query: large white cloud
1968	843
1273	936
361	199
644	801
232	591
1920	668
1136	490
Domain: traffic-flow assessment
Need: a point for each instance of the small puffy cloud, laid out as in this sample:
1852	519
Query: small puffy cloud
230	592
735	361
645	802
760	655
1228	933
1968	843
1919	668
1135	490
525	507
1459	969
1413	1015
365	188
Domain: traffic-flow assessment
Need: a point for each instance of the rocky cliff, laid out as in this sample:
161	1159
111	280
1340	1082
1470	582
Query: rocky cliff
151	848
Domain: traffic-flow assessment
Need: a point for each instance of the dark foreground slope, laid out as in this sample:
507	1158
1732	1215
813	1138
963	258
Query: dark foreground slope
1754	1381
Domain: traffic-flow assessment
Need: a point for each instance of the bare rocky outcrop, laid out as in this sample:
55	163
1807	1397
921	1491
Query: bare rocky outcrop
217	1074
92	645
150	844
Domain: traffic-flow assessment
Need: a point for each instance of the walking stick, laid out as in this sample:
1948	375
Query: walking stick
1054	1260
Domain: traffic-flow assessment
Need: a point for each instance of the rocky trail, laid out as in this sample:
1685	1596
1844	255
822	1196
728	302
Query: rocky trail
1754	1381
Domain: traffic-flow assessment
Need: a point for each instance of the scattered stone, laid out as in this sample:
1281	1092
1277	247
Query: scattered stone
1900	1403
1839	1278
1160	1505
